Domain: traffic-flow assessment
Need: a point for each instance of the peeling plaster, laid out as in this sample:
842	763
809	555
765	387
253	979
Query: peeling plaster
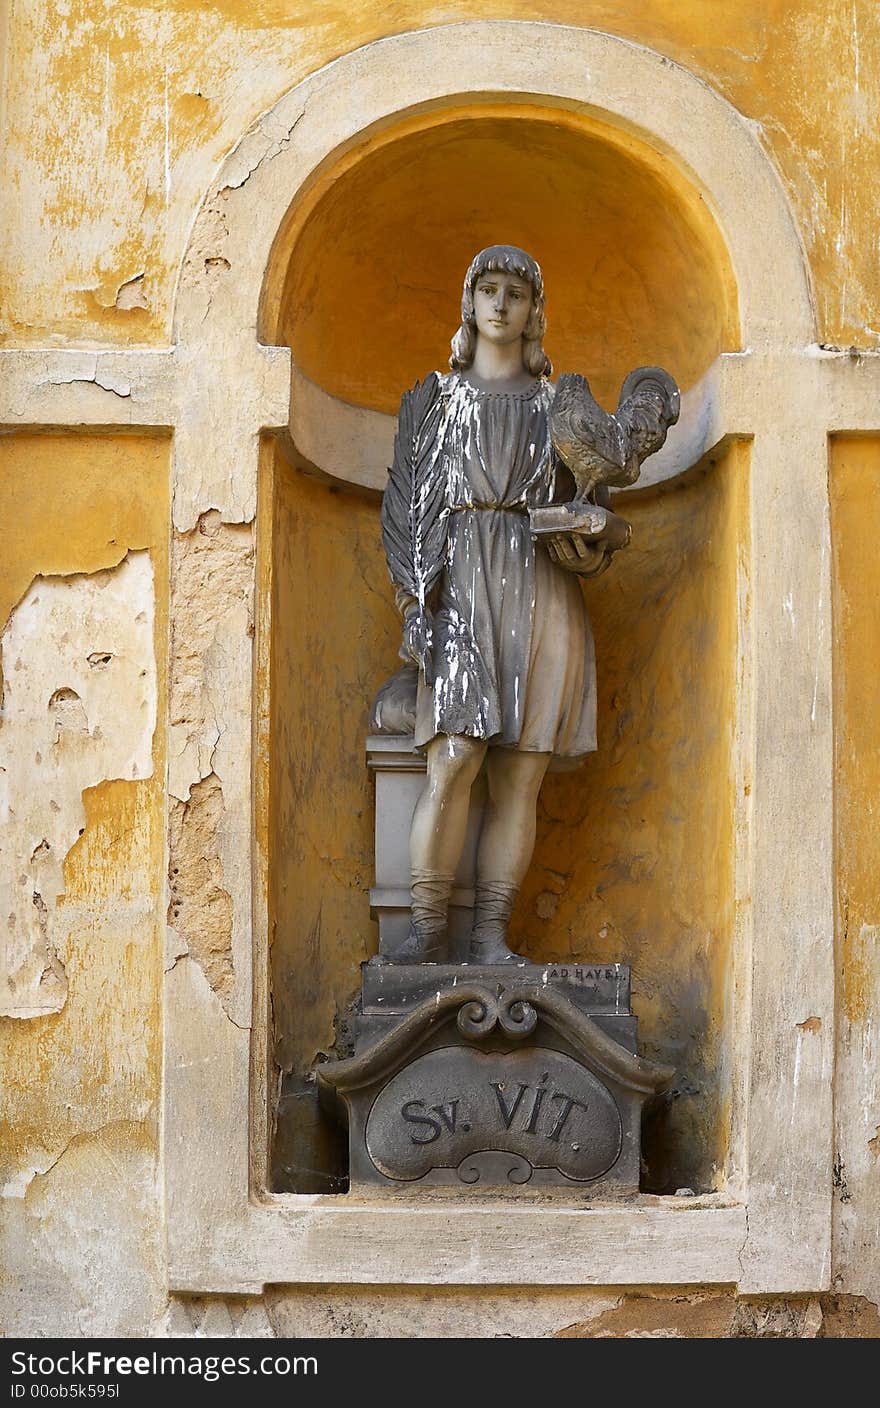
90	369
205	261
175	947
25	1178
79	708
812	1024
209	753
131	294
268	139
81	1250
212	572
200	909
335	1312
71	709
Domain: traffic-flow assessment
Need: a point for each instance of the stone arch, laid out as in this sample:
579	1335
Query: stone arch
227	279
230	388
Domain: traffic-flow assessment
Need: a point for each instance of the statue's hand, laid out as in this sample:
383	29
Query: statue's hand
416	643
575	554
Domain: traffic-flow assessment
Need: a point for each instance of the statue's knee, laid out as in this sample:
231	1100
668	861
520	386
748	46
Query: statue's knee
515	778
454	762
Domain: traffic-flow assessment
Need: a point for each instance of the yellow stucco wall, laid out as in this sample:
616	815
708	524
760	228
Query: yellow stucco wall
138	104
635	850
855	524
80	1125
855	481
326	666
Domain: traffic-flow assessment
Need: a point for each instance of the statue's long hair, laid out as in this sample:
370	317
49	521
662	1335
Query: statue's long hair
504	259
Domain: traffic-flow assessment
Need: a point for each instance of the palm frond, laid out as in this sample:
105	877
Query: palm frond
414	507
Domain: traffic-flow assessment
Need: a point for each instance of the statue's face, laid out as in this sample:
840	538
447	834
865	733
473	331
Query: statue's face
502	303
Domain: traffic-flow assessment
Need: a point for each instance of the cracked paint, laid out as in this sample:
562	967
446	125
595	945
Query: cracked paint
48	1234
264	142
161	107
81	1251
66	727
28	1176
205	261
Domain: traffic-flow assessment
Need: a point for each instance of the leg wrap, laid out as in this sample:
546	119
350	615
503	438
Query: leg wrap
493	906
430	900
427	939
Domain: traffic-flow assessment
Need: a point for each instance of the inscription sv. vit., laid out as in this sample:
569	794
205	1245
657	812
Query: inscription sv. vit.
556	1116
536	1104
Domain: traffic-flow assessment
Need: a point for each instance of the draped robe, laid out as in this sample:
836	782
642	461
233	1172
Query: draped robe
512	659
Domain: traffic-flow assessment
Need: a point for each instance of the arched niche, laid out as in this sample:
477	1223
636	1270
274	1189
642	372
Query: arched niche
234	398
634	858
375	249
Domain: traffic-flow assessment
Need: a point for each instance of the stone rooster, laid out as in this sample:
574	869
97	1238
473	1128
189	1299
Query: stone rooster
602	449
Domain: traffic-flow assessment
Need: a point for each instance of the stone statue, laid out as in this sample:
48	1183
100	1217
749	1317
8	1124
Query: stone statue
497	500
485	541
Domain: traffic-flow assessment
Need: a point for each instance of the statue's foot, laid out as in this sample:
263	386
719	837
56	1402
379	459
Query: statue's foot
493	906
492	949
420	946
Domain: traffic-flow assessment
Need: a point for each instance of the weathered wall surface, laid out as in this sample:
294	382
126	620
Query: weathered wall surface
83	578
328	550
855	523
137	106
341	1312
140	103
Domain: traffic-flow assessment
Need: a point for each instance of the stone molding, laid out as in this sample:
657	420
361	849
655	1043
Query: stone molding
514	1012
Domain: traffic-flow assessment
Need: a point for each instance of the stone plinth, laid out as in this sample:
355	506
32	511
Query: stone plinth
494	1076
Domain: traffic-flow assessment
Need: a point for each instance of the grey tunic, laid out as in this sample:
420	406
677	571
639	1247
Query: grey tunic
513	658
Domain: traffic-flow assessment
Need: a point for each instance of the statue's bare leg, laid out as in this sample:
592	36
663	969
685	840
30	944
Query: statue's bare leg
436	840
507	841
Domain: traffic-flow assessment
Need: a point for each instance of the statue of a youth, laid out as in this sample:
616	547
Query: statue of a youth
495	621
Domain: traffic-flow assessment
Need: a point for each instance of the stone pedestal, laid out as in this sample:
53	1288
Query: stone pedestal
494	1076
399	773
